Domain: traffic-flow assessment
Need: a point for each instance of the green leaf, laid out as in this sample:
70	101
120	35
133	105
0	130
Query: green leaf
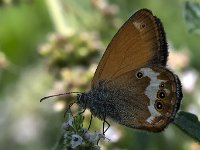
192	16
189	124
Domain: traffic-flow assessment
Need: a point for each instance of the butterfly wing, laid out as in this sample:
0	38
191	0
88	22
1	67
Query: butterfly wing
140	41
149	102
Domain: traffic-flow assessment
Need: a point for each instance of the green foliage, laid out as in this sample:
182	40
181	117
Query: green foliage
189	124
192	16
21	27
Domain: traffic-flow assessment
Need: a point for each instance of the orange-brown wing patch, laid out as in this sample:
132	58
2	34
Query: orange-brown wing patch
140	41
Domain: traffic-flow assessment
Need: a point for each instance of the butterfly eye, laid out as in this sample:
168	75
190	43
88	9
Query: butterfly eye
142	26
158	105
161	95
139	75
162	85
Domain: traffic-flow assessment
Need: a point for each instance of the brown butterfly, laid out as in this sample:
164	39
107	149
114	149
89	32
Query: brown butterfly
132	85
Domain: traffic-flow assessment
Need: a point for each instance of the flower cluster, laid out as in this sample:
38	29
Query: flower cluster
77	137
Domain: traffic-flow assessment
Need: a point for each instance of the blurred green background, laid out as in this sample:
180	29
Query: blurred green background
49	47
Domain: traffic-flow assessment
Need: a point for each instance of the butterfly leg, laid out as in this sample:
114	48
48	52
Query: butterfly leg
104	121
83	108
104	131
68	109
90	122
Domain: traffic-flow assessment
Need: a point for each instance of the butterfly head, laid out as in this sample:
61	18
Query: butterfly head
81	100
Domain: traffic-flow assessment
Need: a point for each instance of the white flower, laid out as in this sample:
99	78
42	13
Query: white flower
94	138
66	136
68	124
76	141
86	134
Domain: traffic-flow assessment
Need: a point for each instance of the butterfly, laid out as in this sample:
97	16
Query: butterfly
132	84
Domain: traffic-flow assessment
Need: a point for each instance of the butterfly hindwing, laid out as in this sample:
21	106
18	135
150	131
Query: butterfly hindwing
149	102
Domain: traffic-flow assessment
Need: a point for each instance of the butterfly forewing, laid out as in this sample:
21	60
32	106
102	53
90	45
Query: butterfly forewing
139	42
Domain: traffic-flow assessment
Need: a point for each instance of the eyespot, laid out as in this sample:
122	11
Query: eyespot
162	85
158	105
139	75
161	94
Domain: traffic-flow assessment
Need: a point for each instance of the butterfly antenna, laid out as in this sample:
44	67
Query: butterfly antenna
62	94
